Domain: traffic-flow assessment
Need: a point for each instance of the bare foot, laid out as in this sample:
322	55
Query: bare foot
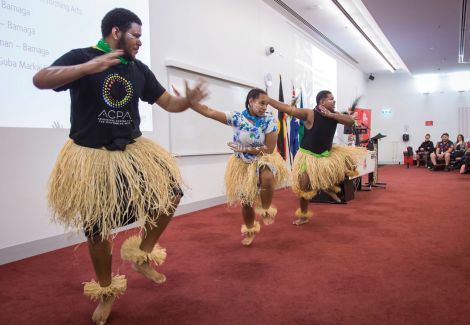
149	272
300	221
247	240
102	311
268	219
268	215
333	196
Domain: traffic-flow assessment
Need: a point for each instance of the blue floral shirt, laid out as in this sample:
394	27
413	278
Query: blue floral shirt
250	131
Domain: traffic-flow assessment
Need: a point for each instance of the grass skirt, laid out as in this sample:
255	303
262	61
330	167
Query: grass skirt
242	178
325	172
96	187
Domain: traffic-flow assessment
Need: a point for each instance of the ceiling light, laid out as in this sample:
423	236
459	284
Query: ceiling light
459	81
427	83
314	7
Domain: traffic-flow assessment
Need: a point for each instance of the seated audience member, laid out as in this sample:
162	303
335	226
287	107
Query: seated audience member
459	148
465	167
443	151
424	150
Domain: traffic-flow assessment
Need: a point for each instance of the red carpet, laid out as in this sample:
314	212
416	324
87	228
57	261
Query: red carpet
399	255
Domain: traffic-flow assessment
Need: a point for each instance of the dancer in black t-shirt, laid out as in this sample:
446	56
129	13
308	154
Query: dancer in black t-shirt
107	175
318	165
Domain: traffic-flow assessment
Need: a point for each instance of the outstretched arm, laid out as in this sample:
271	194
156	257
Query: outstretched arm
344	119
301	114
175	104
206	111
210	113
56	76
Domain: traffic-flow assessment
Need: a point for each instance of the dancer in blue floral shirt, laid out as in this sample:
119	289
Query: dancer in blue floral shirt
254	168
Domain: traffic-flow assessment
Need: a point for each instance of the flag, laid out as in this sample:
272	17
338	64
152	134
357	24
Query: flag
281	122
294	129
301	124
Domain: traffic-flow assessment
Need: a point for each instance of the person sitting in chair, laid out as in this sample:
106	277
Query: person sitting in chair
459	150
443	150
425	149
465	167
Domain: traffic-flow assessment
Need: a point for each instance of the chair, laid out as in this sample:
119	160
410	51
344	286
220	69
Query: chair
422	158
408	157
467	162
441	164
457	158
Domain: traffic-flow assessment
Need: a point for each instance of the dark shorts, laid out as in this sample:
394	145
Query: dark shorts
126	219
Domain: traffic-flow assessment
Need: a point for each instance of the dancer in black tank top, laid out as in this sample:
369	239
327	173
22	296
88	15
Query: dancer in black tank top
319	165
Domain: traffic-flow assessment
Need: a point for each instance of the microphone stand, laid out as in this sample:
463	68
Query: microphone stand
373	177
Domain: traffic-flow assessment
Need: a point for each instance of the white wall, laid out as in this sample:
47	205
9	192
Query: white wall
203	34
225	36
411	108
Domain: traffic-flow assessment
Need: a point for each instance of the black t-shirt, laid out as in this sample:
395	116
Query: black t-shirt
427	146
320	137
460	146
105	105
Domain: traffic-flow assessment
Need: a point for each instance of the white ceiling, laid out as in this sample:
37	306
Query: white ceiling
420	36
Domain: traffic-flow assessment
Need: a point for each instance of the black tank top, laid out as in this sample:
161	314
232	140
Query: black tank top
320	137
